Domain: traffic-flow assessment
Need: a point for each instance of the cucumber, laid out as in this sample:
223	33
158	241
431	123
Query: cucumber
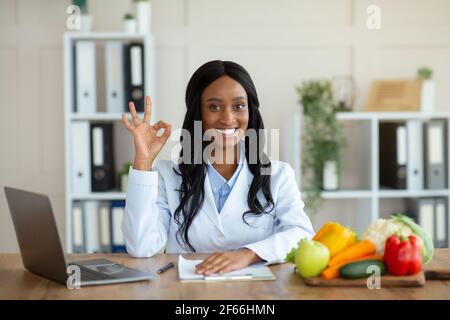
357	270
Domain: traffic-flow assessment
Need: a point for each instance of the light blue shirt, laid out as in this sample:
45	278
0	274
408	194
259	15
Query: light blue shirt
220	187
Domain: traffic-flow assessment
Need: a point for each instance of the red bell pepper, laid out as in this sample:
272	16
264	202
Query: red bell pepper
415	265
403	256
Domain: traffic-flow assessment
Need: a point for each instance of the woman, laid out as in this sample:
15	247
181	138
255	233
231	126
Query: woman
221	201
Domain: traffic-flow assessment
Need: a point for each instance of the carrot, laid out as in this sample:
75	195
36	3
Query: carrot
359	249
333	272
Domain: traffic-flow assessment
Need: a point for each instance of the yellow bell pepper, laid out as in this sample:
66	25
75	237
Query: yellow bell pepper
335	237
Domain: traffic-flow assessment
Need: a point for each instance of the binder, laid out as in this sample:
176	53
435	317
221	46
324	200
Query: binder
114	77
91	226
441	226
117	212
81	167
393	155
134	74
422	210
415	165
77	228
85	77
105	227
436	169
102	157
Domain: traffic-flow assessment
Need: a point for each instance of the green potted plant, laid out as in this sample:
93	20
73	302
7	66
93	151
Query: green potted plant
129	23
322	143
427	95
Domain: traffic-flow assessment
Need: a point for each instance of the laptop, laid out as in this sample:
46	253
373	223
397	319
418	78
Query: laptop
42	251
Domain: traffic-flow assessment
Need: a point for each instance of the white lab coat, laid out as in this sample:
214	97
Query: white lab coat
152	199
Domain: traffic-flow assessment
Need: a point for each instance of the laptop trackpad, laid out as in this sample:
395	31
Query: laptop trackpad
111	269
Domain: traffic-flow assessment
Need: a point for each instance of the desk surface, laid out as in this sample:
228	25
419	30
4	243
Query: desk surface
17	283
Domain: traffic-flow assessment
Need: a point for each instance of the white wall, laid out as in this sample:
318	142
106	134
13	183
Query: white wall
280	43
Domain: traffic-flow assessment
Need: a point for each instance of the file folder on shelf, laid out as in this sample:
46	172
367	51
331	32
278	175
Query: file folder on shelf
415	176
134	72
393	155
117	212
435	155
114	77
105	226
422	211
441	224
102	157
81	165
78	228
91	223
85	77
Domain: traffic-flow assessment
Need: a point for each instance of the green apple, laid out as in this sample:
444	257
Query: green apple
311	258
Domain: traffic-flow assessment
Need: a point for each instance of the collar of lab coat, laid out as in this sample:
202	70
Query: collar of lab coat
236	202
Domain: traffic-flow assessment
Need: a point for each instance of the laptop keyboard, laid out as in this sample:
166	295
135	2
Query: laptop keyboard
89	275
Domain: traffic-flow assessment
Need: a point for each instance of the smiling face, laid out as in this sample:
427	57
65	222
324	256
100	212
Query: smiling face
225	111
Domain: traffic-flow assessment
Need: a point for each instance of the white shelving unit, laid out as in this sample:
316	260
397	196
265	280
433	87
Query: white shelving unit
69	116
370	198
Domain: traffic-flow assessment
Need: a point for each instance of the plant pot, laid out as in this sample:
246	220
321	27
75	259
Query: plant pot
130	25
427	96
330	180
85	23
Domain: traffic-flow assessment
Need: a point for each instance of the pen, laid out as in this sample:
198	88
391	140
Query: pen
166	267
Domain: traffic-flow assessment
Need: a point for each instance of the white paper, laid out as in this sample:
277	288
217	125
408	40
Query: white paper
186	271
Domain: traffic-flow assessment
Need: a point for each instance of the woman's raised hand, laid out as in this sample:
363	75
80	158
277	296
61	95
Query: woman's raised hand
147	144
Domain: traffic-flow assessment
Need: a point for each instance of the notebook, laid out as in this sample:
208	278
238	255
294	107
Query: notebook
186	272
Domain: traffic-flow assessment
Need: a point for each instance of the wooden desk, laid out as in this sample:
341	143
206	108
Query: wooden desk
17	283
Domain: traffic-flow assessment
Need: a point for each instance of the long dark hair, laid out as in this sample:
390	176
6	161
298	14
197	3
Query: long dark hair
193	174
